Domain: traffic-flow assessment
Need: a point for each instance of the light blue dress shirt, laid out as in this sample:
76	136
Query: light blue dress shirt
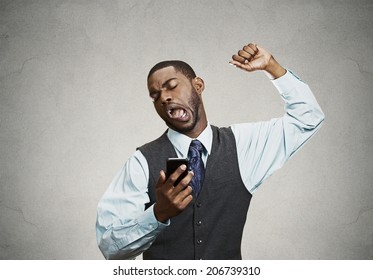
125	229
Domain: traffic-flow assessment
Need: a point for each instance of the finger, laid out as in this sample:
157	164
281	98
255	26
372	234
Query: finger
244	66
247	56
238	58
253	47
188	199
249	50
186	192
243	56
184	182
176	174
184	198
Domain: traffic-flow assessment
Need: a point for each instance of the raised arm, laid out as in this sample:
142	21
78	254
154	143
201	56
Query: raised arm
264	147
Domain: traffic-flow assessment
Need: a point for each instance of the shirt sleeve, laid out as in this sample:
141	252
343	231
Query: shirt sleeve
264	147
124	229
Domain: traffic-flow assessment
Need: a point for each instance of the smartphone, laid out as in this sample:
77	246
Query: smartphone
173	164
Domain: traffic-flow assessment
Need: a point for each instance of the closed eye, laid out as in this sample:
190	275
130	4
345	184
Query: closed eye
170	84
154	95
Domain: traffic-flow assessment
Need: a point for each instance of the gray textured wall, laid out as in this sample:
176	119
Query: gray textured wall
74	106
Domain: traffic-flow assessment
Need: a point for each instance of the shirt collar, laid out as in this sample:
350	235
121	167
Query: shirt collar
182	142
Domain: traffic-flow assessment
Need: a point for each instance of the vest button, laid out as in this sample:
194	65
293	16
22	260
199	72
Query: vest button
199	223
199	204
199	241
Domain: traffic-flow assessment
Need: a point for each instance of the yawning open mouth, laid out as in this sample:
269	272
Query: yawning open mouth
177	112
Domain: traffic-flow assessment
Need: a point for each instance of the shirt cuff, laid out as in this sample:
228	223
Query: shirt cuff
286	82
150	222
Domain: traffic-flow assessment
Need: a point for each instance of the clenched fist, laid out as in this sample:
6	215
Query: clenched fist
252	57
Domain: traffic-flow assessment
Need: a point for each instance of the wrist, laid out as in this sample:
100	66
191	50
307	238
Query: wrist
159	214
273	69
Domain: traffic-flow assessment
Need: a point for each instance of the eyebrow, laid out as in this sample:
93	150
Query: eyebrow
166	82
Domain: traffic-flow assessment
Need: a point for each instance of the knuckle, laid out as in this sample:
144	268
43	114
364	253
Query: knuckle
180	170
184	182
173	177
188	199
179	206
188	192
249	50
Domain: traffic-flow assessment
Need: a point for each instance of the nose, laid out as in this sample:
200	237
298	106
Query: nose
165	96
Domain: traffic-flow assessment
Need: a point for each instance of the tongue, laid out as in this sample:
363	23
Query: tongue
177	113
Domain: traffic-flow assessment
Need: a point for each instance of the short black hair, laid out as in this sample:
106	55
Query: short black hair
180	66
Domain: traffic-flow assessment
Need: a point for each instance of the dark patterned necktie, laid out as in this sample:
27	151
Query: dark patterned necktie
196	165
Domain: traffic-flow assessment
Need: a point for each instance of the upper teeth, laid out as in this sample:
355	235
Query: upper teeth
177	113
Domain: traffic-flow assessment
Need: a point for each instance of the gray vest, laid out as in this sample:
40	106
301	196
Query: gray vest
211	226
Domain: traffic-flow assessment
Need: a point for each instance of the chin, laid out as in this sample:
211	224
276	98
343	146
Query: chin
188	127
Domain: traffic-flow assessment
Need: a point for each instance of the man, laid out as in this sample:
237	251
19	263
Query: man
203	216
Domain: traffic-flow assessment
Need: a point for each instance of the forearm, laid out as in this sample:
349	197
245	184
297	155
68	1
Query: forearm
128	238
124	228
274	70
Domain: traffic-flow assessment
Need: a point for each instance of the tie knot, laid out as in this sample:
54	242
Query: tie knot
195	149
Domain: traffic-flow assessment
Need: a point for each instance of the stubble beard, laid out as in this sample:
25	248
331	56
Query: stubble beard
194	103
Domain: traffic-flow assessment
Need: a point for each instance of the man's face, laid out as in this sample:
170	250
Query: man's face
175	99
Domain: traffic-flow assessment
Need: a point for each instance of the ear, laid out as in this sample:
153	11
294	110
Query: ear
198	84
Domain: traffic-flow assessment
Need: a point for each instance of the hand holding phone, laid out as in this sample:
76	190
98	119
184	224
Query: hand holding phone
172	199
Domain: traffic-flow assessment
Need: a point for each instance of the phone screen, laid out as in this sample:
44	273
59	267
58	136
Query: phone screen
173	164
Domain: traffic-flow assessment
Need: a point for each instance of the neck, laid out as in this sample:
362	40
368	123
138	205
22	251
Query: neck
197	130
